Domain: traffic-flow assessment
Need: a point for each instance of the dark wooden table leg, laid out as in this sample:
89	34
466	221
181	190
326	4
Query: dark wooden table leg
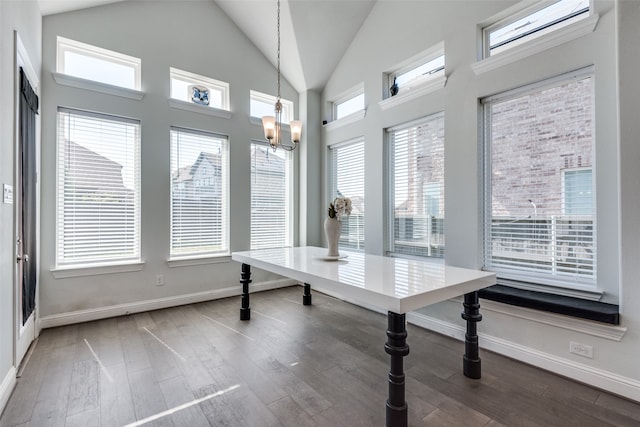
245	310
306	296
397	348
471	365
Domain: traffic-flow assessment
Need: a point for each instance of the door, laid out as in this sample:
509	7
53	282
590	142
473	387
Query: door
27	128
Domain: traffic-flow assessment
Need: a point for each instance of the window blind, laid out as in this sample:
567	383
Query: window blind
98	200
271	197
540	222
416	187
199	193
346	162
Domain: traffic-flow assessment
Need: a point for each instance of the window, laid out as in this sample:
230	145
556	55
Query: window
271	197
98	185
540	223
183	84
533	22
416	187
345	107
97	64
199	193
346	162
418	72
264	105
578	199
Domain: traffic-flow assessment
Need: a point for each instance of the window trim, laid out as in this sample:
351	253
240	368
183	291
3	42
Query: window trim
289	163
332	179
104	266
287	108
197	79
342	97
433	82
523	12
67	45
584	288
389	171
531	47
196	258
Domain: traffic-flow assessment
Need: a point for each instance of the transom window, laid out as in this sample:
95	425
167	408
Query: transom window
98	189
199	193
194	88
416	187
346	178
418	70
101	65
271	197
540	218
264	105
533	22
347	106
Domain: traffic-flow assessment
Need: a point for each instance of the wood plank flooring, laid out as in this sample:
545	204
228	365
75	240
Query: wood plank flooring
291	365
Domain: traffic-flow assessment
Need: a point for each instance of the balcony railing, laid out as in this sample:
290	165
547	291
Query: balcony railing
555	244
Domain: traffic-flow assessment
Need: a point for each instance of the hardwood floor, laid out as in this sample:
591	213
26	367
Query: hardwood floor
291	365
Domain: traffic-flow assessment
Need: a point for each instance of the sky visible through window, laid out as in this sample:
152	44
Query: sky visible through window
100	70
535	21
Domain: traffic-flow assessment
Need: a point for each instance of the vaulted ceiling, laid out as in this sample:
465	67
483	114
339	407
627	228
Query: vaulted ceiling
315	34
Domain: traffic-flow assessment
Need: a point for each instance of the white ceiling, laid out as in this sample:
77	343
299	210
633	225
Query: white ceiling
314	33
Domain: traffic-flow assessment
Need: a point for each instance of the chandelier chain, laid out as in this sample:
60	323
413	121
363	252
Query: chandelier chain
278	26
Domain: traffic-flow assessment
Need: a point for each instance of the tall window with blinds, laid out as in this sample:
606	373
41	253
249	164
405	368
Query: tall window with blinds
346	178
98	186
271	197
416	187
540	219
199	193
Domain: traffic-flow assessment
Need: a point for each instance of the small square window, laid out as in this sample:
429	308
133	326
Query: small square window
264	105
101	65
201	90
417	73
348	106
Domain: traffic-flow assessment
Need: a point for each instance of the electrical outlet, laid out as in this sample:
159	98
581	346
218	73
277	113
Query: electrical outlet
581	349
159	280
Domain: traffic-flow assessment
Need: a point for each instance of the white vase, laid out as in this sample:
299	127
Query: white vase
333	228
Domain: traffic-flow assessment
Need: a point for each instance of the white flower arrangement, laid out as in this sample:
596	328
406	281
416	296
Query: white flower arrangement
340	207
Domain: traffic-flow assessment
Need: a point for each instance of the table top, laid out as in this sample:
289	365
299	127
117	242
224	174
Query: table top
394	284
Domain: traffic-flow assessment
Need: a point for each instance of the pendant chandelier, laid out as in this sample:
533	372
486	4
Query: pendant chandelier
273	124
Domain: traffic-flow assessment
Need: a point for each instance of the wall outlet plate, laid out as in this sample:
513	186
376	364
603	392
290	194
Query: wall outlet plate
583	350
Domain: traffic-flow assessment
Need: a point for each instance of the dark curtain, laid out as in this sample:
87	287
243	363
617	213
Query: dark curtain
28	111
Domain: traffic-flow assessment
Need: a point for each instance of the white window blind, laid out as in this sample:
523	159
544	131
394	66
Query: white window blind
540	223
98	200
199	193
271	197
416	187
346	162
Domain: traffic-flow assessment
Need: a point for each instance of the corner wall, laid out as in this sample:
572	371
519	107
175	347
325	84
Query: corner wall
398	30
195	36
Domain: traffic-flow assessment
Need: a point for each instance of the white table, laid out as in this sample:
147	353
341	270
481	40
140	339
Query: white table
397	285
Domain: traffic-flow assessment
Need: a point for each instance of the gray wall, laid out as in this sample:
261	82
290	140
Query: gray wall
195	36
23	17
412	27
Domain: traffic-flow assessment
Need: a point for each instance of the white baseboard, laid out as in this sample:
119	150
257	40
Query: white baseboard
155	304
614	383
6	387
